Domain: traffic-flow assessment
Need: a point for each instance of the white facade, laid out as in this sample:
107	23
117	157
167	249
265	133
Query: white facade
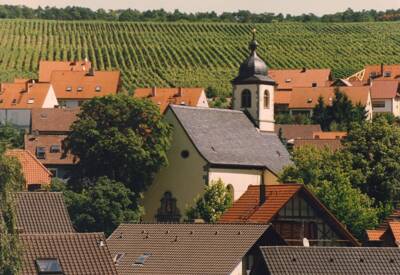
50	100
386	105
202	100
261	106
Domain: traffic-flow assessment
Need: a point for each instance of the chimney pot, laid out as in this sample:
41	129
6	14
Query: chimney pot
180	91
304	69
154	91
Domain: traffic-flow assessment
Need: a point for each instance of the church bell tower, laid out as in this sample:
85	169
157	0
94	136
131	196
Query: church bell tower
253	90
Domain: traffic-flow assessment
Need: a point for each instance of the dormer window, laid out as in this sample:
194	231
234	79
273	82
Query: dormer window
314	84
246	99
48	266
40	152
55	148
31	101
79	89
68	89
14	101
141	259
288	80
98	88
387	74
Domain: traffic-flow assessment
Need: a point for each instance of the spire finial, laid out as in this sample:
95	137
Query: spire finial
253	43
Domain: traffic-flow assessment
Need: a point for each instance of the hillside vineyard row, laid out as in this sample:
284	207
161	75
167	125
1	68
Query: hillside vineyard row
193	54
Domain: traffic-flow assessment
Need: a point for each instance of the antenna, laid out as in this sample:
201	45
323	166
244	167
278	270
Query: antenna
306	242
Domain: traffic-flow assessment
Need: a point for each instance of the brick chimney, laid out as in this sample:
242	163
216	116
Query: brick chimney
180	92
263	188
154	91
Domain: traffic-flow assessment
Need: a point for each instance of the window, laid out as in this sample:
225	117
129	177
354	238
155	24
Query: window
372	74
118	257
14	101
387	74
185	154
55	148
98	88
80	89
68	89
314	84
48	266
168	211
40	152
53	171
266	99
246	99
31	101
378	104
141	259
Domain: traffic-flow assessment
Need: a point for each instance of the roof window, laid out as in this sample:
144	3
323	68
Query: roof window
141	259
98	88
48	266
68	89
288	80
14	101
79	89
118	257
31	101
314	84
387	74
309	100
55	148
40	152
372	74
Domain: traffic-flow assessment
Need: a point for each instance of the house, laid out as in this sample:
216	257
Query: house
290	132
46	68
65	253
294	212
189	248
236	146
19	98
286	80
373	72
303	100
56	121
72	88
331	144
280	260
387	233
35	174
48	149
385	96
41	213
329	135
195	97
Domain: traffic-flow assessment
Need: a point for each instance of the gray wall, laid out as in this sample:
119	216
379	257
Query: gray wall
19	118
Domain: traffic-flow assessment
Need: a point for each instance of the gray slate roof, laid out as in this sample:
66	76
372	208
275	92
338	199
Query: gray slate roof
183	248
331	260
227	137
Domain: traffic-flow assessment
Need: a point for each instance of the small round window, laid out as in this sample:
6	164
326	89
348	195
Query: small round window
185	154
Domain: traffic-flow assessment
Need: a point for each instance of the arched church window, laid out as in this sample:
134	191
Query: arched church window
266	99
168	211
246	99
231	191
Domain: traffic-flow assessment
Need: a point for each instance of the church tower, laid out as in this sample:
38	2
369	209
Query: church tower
253	90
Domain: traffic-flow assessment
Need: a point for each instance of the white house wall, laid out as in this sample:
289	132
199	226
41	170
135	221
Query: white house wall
202	100
51	100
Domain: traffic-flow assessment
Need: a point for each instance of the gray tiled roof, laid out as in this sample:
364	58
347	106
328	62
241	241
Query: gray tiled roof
42	213
183	248
227	137
77	253
332	260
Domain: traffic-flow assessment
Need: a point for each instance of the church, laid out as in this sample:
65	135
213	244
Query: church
236	146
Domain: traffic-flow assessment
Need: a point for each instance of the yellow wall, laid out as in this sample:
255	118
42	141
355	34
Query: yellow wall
184	178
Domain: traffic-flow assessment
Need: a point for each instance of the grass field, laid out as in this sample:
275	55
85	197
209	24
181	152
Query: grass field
193	54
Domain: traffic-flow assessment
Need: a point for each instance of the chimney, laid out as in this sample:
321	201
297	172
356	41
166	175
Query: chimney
304	69
180	93
91	71
262	190
154	91
381	69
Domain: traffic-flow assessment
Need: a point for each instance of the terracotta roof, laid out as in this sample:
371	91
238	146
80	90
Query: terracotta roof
247	208
329	135
395	229
393	69
42	213
293	131
394	216
23	95
282	97
32	142
53	120
34	172
79	253
47	67
179	96
315	260
183	248
332	144
289	79
307	98
374	235
383	89
81	85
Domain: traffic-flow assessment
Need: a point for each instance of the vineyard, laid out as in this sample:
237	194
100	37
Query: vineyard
193	54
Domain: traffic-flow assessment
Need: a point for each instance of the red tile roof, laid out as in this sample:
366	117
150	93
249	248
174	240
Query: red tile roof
307	98
282	97
34	172
46	141
375	235
395	229
53	120
177	96
332	144
297	131
289	79
247	208
81	85
384	89
329	135
47	67
377	69
23	95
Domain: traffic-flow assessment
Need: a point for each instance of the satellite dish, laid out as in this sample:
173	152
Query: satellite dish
306	242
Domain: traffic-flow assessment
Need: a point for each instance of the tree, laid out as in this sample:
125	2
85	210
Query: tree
209	207
101	206
375	148
11	137
11	180
120	137
329	176
320	114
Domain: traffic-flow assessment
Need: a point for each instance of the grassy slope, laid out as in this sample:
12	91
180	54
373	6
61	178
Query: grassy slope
193	54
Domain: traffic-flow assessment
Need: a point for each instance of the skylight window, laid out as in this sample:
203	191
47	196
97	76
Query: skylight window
31	101
98	88
387	74
55	148
80	89
48	266
68	89
118	257
141	259
288	80
40	152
